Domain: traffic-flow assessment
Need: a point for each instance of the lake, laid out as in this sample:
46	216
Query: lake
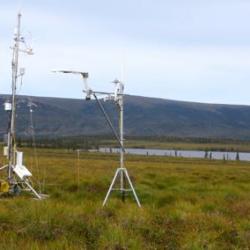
180	153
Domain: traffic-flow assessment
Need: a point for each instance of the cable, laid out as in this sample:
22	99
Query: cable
109	122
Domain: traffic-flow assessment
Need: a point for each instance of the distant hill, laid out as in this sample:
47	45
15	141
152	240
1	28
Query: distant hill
143	117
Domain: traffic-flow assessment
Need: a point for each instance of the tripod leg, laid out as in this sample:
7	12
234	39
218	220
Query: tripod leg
131	186
122	185
111	186
33	190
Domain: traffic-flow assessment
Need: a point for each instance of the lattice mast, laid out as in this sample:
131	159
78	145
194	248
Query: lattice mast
12	129
15	167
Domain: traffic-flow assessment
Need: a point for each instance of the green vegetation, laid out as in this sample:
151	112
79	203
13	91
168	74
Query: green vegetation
187	204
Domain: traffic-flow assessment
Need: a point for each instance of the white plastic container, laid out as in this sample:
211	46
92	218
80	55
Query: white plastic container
7	106
5	151
21	171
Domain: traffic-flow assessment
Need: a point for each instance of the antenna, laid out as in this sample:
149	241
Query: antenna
122	72
15	167
118	97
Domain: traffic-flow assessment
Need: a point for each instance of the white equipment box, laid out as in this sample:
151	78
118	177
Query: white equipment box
5	151
7	106
21	171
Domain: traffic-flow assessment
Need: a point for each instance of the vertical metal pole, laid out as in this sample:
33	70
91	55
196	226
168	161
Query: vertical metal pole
121	123
13	110
122	170
78	169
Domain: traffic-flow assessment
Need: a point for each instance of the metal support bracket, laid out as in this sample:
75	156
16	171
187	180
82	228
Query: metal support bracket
118	172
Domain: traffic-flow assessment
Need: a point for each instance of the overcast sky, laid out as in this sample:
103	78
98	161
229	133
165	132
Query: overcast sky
196	50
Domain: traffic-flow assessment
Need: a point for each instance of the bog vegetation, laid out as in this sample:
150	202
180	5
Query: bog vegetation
187	204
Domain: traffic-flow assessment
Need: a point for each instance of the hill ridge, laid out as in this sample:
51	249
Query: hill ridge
144	116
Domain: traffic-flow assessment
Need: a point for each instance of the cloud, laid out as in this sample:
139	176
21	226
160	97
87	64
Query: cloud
189	50
149	71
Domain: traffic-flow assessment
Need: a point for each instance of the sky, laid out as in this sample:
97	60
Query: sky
196	50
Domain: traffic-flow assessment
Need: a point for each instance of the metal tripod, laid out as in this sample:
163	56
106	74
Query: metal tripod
121	171
118	97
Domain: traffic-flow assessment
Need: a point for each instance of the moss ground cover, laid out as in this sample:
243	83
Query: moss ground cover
187	204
